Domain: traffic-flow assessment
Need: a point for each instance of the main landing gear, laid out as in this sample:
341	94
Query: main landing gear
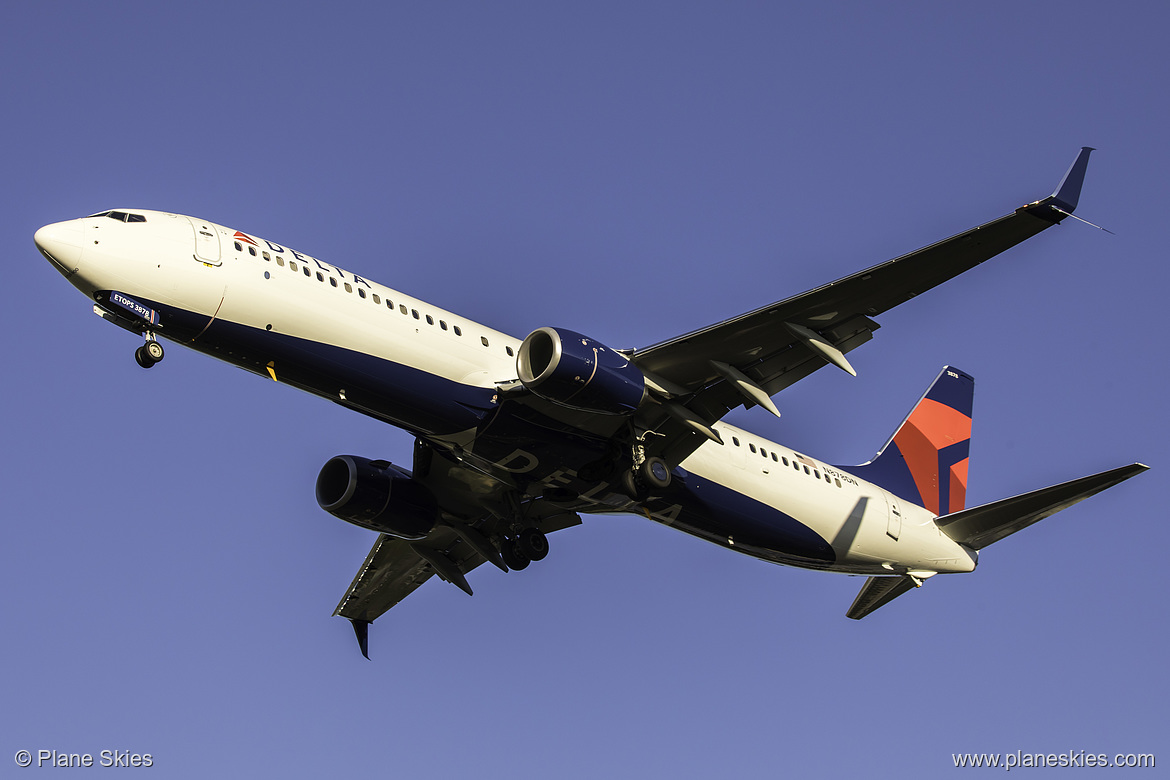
529	545
149	353
651	475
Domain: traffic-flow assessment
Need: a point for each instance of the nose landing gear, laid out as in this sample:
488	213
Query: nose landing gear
149	353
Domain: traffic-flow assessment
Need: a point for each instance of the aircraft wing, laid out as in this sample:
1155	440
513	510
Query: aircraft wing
392	571
389	574
460	542
704	374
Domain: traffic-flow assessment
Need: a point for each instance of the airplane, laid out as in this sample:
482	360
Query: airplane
517	438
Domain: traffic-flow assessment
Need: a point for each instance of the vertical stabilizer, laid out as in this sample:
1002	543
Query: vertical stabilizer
925	461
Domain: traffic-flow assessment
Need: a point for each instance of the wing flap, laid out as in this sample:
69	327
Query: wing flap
774	373
983	525
390	573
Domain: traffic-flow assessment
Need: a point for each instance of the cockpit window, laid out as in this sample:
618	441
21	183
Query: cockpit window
121	216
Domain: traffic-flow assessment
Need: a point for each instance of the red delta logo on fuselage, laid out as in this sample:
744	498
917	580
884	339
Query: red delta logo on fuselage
306	259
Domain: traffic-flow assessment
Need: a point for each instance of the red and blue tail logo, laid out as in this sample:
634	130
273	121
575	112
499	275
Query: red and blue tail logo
925	461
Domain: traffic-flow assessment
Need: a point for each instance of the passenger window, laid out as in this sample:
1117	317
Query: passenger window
775	459
806	471
402	308
376	298
308	273
752	447
735	441
252	251
837	481
430	320
483	340
361	292
332	281
280	261
320	277
292	265
348	289
817	474
785	460
442	325
414	313
238	247
267	256
509	351
457	331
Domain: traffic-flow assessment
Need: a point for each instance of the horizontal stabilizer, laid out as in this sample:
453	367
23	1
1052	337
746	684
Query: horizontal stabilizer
987	524
877	592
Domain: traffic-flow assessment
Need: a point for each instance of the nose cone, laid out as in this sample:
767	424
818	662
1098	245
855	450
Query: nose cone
61	243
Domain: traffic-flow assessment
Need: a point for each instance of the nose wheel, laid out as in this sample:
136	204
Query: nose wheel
148	354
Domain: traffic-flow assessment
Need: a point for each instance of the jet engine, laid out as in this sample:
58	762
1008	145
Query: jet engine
575	371
376	495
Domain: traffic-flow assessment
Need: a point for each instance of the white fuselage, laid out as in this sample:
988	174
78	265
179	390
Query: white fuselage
218	275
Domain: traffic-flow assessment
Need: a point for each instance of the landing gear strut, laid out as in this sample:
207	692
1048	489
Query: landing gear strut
149	353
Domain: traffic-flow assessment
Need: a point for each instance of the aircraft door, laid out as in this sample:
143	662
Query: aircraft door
206	242
894	517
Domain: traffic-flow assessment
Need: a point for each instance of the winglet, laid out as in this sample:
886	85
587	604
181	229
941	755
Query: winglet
1069	191
362	629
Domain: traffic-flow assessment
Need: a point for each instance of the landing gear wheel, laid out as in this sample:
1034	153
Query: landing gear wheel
143	358
514	557
654	473
533	544
154	350
631	486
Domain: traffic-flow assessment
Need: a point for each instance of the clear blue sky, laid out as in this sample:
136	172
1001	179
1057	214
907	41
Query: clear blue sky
631	171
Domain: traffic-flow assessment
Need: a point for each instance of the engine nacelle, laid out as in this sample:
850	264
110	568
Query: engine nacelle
376	495
575	371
